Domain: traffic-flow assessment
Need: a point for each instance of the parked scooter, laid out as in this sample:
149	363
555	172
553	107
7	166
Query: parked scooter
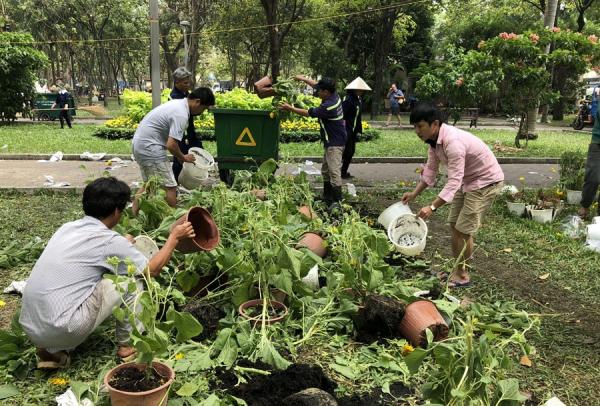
587	111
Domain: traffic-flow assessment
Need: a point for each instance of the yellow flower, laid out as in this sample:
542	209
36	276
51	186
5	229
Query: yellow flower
522	178
179	356
407	349
58	381
131	269
2	303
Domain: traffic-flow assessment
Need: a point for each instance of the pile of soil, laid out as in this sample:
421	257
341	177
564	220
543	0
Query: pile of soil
133	380
379	318
269	390
377	397
208	315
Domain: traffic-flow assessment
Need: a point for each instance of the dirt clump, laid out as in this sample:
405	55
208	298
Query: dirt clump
272	389
397	392
134	380
378	318
208	315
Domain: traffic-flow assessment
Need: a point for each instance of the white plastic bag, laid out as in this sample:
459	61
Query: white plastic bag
573	227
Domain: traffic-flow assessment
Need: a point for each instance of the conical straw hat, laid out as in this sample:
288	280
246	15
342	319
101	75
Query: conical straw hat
358	84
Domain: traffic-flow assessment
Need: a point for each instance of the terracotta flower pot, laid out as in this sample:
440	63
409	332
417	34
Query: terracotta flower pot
258	303
207	234
313	242
154	397
419	316
265	92
307	212
263	82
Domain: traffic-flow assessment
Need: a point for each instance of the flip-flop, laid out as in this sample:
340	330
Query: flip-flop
65	362
130	357
457	284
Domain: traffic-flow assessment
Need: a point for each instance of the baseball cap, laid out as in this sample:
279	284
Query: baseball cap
326	84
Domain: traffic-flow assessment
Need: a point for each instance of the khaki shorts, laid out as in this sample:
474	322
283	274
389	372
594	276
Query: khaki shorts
468	207
161	169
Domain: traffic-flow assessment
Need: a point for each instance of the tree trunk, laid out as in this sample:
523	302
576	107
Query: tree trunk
549	18
382	49
270	7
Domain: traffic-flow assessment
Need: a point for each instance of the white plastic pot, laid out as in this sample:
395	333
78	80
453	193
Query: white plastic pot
312	277
408	234
146	246
573	196
392	212
542	216
516	208
193	173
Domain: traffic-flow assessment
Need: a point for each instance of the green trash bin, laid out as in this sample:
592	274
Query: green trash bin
245	139
42	107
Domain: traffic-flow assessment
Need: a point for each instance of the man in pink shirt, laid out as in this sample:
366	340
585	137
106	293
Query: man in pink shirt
474	180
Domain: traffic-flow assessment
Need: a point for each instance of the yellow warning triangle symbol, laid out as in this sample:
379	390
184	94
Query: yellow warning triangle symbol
246	139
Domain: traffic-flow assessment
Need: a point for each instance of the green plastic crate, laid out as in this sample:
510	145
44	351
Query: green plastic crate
245	138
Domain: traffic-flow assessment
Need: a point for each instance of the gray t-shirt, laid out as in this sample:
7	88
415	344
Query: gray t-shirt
150	138
65	276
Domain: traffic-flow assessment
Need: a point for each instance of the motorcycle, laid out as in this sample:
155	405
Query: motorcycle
587	112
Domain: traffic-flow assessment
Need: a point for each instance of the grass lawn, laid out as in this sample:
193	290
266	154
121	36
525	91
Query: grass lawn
113	109
49	138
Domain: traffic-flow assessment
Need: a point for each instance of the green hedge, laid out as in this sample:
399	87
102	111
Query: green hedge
209	135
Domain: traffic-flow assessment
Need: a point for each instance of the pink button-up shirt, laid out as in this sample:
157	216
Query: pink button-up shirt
471	164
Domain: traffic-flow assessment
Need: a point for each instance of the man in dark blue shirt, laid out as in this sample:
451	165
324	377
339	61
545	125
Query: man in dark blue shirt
182	79
62	101
352	106
333	133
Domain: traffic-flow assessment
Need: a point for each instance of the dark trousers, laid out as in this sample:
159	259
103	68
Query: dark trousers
62	116
348	152
592	177
184	146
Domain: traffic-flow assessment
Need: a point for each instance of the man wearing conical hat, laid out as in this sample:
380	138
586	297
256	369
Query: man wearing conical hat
352	106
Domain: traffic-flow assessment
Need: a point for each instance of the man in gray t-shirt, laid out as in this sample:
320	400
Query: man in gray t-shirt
66	296
160	131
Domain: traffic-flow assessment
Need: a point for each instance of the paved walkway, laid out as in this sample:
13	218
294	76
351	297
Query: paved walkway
31	175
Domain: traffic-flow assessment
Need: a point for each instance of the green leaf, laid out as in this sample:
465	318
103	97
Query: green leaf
188	388
229	353
271	356
201	362
415	359
187	326
212	400
79	388
509	389
343	370
187	280
7	391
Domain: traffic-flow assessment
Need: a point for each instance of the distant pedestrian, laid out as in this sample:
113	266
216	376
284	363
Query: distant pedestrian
396	98
333	132
62	102
182	83
352	106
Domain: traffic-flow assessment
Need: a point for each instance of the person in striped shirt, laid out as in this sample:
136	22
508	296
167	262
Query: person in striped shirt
333	134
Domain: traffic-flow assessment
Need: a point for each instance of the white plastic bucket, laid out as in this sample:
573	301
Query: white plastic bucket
408	234
392	212
193	173
146	246
593	232
312	277
573	196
